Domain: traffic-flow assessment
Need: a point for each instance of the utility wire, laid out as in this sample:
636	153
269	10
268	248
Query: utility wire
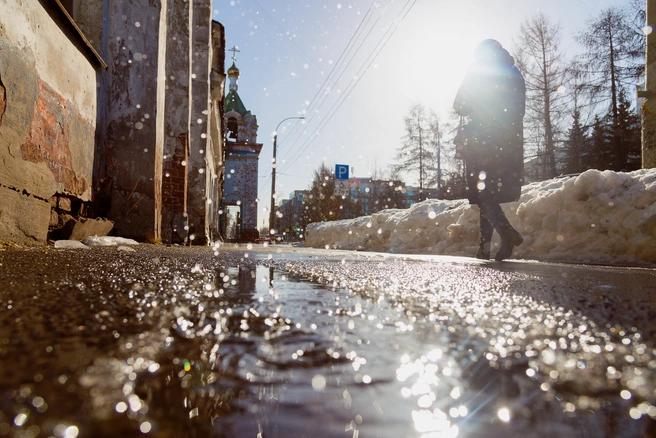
313	107
316	109
333	110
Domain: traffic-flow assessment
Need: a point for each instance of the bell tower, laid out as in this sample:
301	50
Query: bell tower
242	161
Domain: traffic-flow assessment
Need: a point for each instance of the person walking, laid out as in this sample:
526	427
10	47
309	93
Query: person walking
493	97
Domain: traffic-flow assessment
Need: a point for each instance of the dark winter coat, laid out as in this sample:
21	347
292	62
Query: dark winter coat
492	97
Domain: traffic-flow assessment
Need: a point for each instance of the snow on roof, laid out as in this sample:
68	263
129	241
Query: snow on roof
599	217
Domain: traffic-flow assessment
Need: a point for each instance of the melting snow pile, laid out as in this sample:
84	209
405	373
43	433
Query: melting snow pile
97	241
596	217
108	241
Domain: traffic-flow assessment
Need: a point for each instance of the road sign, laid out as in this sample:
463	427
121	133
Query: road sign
341	187
341	171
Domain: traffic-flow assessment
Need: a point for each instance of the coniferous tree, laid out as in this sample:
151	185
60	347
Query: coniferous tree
321	204
614	58
575	145
598	153
627	131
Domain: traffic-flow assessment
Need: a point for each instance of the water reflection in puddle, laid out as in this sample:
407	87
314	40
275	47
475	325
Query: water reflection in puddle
199	350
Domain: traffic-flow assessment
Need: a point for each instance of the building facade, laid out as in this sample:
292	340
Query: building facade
369	196
159	160
48	106
291	217
112	109
242	161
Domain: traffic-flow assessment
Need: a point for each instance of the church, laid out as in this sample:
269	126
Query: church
240	186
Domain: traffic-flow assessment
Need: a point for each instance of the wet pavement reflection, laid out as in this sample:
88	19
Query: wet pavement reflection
254	341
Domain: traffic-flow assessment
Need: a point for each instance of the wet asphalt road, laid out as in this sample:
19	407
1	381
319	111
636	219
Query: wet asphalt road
287	342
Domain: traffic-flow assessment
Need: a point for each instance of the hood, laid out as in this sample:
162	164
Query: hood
492	52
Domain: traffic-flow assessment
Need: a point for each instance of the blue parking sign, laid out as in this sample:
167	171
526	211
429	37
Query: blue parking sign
341	171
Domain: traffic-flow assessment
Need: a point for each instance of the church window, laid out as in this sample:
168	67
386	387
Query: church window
232	127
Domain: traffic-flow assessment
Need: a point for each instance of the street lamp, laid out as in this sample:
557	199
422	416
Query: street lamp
273	175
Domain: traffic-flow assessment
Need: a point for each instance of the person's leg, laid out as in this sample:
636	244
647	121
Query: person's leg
510	237
486	238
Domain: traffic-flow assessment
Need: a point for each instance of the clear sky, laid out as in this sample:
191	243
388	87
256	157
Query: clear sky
307	58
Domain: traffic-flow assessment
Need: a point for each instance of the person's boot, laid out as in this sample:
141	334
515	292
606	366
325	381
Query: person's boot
483	252
486	238
509	240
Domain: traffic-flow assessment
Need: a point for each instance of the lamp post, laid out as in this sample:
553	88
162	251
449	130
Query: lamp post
273	177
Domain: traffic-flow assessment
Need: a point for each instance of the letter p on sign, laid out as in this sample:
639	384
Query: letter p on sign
341	171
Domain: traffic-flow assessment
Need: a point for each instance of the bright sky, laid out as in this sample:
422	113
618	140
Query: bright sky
407	51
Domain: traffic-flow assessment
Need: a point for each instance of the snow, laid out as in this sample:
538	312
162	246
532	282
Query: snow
70	244
108	241
97	241
599	217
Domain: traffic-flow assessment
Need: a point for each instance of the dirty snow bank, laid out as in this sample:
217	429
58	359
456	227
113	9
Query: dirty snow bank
596	217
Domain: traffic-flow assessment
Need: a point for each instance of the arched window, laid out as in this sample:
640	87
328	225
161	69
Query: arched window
233	127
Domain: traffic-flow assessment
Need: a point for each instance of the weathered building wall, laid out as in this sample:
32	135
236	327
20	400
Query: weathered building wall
216	141
176	144
198	218
47	120
154	179
128	124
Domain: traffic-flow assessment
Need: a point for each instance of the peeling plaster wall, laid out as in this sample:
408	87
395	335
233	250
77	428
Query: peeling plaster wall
216	142
129	86
47	120
197	169
154	175
176	144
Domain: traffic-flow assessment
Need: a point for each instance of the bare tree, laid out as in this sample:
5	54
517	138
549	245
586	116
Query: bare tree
539	58
614	56
436	136
421	148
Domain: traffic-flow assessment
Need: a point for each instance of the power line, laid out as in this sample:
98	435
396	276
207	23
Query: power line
332	111
323	100
312	107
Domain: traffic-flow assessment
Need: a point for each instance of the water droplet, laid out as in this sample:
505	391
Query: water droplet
318	382
19	419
